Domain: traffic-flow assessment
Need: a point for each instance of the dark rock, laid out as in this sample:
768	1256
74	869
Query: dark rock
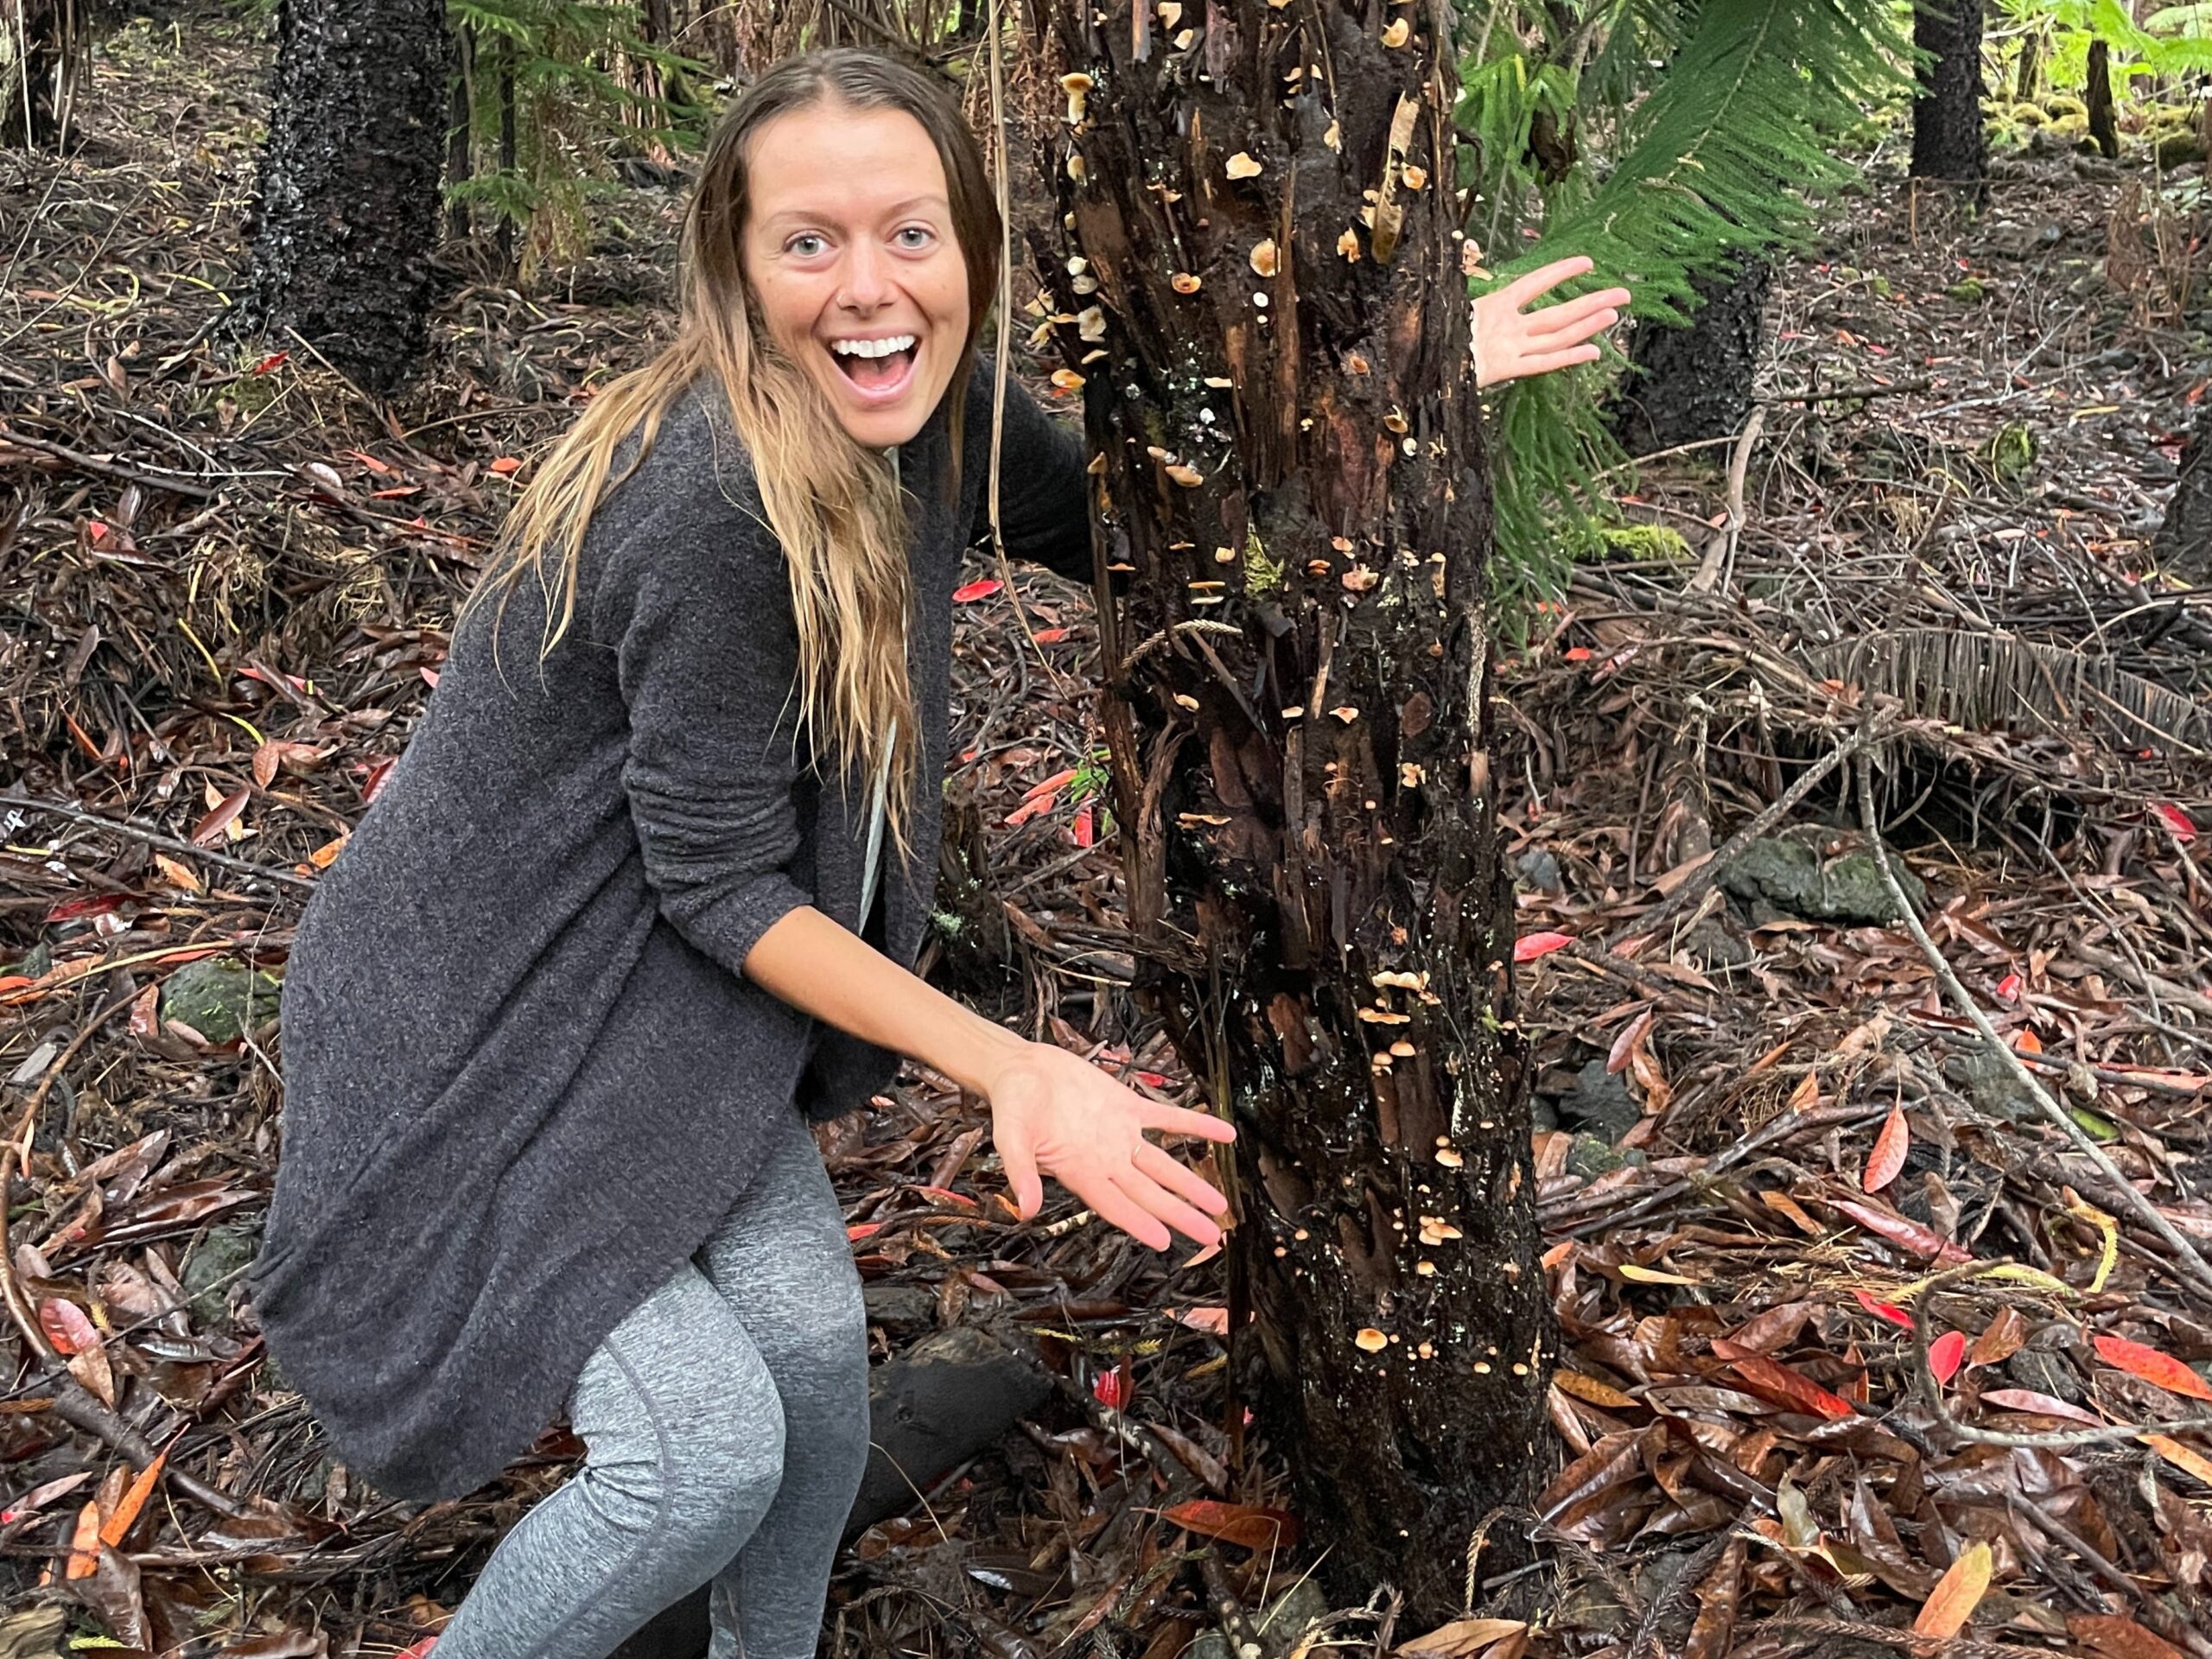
1991	1084
900	1309
1782	876
221	998
1540	870
1599	1104
1589	1157
2046	1373
217	1264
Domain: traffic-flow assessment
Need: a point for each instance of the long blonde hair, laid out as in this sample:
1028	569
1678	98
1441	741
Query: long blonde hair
834	506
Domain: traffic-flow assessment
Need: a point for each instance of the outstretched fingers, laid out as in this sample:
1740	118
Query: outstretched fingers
1181	1120
1178	1177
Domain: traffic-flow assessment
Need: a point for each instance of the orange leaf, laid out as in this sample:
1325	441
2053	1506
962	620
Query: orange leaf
2182	1456
1628	1042
85	1547
2152	1366
1237	1523
1902	1231
265	760
504	465
133	1501
2027	1042
1890	1148
2118	1637
1888	1311
976	590
2042	1405
1956	1594
1771	1380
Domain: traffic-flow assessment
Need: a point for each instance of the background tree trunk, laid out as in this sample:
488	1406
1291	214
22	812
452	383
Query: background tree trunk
1948	141
1291	472
346	213
2103	126
1684	385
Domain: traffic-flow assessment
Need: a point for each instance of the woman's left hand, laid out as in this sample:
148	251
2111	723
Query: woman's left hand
1511	345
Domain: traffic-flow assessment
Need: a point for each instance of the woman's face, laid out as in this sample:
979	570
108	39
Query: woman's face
849	250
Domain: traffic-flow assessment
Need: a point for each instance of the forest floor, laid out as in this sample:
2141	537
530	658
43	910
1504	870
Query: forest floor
1870	1317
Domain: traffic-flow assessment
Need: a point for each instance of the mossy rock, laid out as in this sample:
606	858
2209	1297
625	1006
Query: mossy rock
1878	286
2012	451
217	1264
2028	115
1969	291
2178	149
221	998
1648	544
2059	105
1781	876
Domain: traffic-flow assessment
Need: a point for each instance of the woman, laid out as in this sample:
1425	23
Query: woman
556	1021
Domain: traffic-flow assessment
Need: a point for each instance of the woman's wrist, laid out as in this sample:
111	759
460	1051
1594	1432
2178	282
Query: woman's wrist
974	1051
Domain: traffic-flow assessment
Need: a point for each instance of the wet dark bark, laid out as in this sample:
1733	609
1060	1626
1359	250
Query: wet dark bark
1947	142
2103	125
347	210
1685	384
1291	474
2184	543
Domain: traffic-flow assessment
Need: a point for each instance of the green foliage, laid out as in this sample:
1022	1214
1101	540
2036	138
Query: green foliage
571	110
1721	119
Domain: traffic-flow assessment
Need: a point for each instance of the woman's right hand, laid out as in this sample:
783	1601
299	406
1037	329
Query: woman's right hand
1053	1113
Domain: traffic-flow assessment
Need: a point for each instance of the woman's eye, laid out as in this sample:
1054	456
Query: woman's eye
805	246
916	236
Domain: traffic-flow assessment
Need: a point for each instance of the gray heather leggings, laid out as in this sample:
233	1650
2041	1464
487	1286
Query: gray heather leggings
727	1423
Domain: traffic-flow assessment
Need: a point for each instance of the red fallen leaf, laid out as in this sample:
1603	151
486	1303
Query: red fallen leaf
75	910
504	465
1111	1389
429	676
1623	1052
210	828
266	758
1237	1523
383	468
2009	987
1085	829
2152	1366
1529	947
96	532
1888	1311
66	1327
946	1195
1771	1380
2174	818
1905	1234
2027	1042
1946	1354
1050	788
85	1544
862	1229
1152	1079
374	781
398	492
270	362
1890	1148
326	855
1050	636
976	590
1577	653
144	1020
2042	1405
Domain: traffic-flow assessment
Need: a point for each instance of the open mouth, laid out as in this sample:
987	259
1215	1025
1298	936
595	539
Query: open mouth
876	366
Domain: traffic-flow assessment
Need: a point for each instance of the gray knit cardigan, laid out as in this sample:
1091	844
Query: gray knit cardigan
524	1077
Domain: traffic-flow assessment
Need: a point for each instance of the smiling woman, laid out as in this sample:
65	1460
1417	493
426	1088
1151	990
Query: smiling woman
854	255
555	1020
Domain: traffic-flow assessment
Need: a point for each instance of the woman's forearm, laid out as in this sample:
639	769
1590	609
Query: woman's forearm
828	971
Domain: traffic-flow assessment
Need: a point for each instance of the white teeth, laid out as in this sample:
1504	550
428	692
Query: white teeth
872	348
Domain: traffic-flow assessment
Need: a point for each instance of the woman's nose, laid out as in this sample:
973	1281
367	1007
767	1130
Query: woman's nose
868	278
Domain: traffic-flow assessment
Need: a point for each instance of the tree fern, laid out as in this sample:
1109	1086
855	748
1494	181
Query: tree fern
1725	152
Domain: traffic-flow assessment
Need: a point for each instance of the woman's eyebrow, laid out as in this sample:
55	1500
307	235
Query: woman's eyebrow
808	216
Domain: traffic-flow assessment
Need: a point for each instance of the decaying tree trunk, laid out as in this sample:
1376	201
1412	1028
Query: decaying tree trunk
1686	384
1948	141
45	61
1266	302
346	214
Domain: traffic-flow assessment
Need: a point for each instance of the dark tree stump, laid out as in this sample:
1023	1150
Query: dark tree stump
1687	384
2103	123
347	211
